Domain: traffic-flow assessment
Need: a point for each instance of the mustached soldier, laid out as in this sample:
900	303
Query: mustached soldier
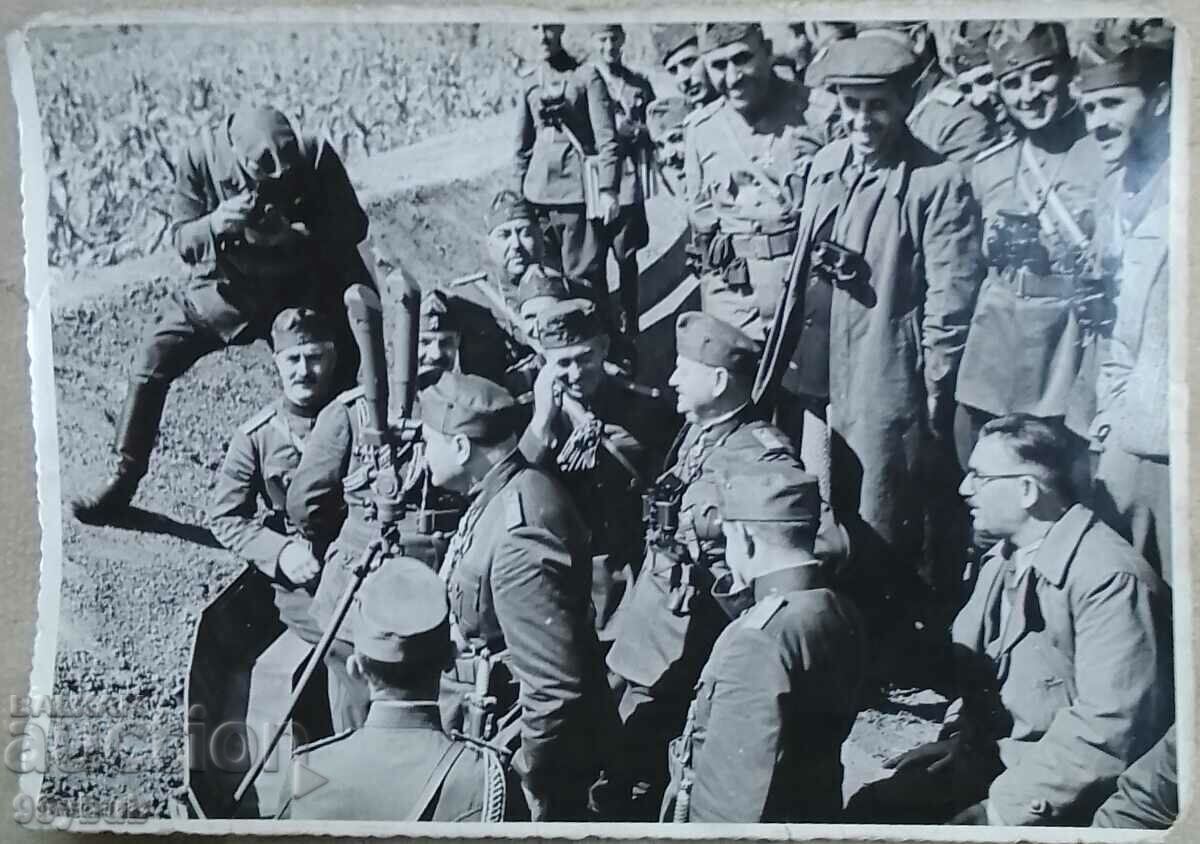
400	765
268	219
262	459
669	620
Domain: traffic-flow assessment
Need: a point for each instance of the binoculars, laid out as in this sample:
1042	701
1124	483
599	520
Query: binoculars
1014	240
660	508
837	265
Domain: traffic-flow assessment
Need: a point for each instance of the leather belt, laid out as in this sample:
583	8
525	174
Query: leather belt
765	246
1033	286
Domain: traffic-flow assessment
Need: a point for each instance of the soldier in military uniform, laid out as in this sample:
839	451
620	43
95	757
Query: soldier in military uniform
268	218
669	621
678	49
1124	90
564	117
890	234
439	340
399	765
667	119
1036	191
606	488
778	696
518	571
332	505
261	460
630	93
941	118
966	44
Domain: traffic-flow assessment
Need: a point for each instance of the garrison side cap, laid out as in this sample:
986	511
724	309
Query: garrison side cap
299	326
713	36
569	323
539	280
468	405
506	206
712	342
967	43
402	614
670	38
768	491
666	114
1016	44
437	313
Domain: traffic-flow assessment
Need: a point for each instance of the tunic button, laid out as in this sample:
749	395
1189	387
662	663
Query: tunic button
1039	807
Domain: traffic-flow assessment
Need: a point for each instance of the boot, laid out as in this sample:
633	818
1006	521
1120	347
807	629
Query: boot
136	431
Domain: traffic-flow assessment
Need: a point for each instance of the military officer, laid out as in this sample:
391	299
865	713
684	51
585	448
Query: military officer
630	93
678	49
332	504
890	230
400	765
267	218
1036	191
1125	97
519	573
941	118
567	116
606	488
261	460
779	694
668	622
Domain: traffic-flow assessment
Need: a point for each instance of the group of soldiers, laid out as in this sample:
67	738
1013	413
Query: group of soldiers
920	416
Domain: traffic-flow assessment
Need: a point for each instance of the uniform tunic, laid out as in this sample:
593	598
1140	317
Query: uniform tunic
1133	476
1025	318
378	772
944	121
519	577
775	703
1147	793
745	184
895	339
259	465
609	498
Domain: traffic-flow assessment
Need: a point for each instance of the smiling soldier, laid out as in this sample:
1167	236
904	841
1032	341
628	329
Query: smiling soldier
1036	191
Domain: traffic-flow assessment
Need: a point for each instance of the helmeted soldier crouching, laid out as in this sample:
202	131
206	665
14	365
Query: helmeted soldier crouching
268	218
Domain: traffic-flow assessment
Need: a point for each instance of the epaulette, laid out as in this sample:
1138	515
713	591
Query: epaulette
704	112
319	743
763	611
514	510
947	95
259	419
992	150
768	439
351	396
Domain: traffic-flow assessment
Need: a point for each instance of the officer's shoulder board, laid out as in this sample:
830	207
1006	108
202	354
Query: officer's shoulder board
763	611
351	396
259	419
995	148
514	510
325	742
768	439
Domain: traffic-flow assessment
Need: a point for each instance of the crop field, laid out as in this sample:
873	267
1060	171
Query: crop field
117	102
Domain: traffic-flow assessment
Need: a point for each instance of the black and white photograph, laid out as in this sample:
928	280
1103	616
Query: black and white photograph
481	426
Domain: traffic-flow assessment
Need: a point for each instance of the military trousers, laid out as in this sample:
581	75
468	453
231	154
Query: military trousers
1133	496
580	246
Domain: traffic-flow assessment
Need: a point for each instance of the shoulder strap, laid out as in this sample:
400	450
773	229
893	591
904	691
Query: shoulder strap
436	779
1054	204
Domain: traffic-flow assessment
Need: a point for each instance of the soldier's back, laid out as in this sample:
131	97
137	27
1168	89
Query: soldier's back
380	771
947	123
